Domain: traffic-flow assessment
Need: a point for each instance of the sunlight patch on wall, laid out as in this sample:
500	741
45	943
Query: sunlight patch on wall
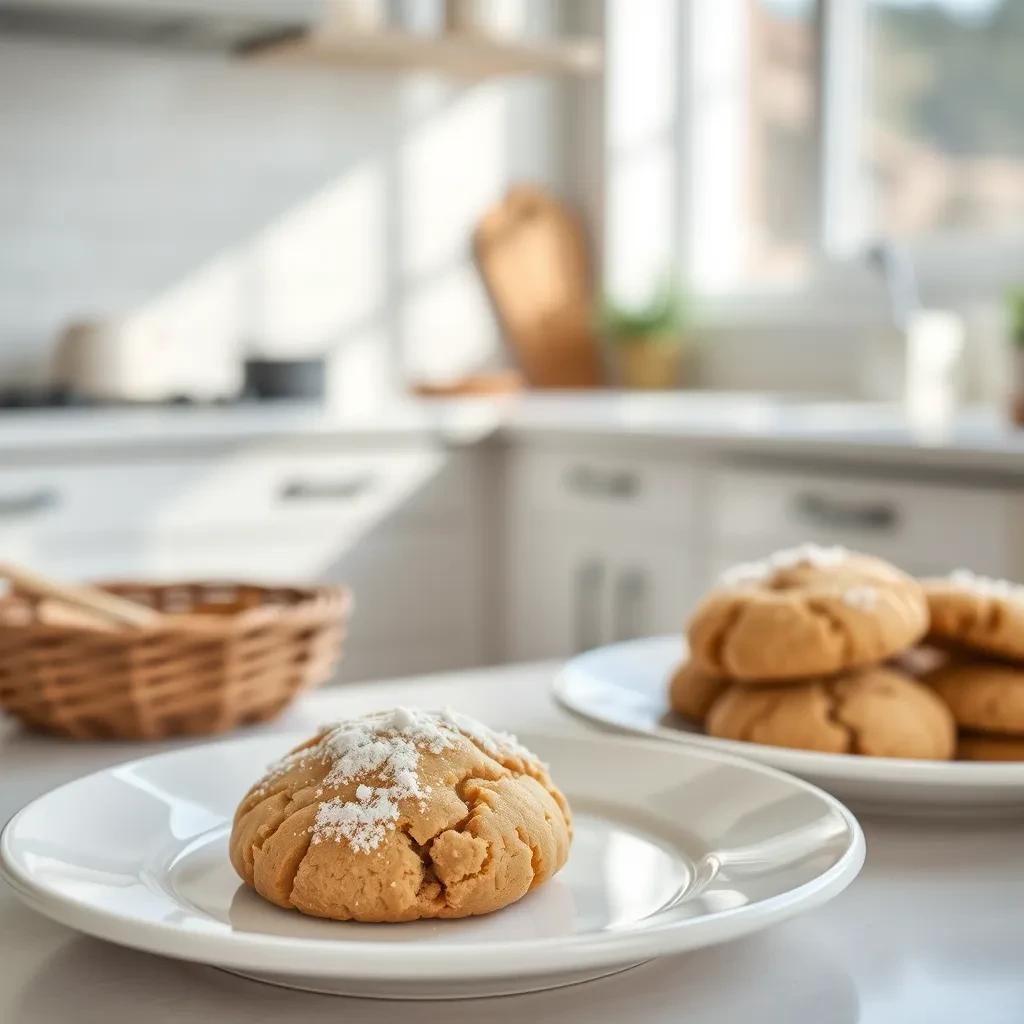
321	269
641	60
451	168
198	320
447	327
361	371
640	212
718	142
296	288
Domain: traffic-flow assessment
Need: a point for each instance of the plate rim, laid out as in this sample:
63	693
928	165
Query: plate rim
833	767
348	958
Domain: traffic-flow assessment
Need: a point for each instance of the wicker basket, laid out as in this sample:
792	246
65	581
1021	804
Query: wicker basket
227	654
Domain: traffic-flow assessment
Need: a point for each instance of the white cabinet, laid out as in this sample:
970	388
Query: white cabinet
572	590
293	491
927	528
458	556
599	548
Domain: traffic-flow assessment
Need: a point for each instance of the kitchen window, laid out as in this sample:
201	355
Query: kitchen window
821	126
944	144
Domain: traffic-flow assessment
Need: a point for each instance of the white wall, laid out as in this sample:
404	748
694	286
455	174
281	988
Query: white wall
279	209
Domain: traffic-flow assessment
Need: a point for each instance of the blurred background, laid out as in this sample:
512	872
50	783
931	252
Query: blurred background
522	318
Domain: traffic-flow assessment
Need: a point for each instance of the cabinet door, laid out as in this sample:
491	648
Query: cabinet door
554	595
651	590
599	547
417	604
572	592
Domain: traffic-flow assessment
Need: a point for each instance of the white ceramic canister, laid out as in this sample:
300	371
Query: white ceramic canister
121	359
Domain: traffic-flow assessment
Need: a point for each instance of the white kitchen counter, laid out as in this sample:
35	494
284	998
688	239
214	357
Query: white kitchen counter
745	423
931	930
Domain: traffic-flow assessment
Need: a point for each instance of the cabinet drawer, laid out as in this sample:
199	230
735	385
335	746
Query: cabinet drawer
924	527
653	491
290	491
301	491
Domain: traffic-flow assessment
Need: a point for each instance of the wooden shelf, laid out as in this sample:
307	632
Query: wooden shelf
463	55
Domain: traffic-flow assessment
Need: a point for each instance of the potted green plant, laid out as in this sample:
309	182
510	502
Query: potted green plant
647	340
1015	310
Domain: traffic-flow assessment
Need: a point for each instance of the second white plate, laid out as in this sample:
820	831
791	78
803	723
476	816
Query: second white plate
674	849
625	685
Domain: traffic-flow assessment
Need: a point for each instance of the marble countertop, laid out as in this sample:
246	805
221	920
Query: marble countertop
976	440
930	931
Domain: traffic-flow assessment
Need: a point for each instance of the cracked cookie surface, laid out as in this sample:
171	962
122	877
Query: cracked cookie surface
877	712
804	613
399	816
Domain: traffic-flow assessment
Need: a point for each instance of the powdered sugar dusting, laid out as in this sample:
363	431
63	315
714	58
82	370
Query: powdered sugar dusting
862	598
789	558
497	744
986	586
386	747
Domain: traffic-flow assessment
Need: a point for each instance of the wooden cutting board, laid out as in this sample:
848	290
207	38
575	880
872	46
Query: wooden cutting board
532	254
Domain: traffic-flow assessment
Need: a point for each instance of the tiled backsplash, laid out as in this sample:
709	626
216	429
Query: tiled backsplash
255	207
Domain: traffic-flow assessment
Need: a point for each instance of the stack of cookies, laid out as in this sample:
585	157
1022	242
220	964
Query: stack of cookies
980	623
792	652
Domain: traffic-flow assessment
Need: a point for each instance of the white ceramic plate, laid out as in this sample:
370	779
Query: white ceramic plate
625	685
674	849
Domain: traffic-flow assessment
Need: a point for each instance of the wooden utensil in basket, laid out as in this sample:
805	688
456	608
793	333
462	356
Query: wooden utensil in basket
195	658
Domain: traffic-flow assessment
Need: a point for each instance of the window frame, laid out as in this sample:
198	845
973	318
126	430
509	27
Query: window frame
951	269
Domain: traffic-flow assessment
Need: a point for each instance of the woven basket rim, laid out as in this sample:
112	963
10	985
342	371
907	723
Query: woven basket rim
316	603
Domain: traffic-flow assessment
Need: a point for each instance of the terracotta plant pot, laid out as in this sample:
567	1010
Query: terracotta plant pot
649	363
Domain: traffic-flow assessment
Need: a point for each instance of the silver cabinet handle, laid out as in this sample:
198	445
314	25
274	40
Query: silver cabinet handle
591	482
31	503
630	596
588	584
341	489
821	510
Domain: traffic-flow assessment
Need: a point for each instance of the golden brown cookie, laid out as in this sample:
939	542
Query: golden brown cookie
402	815
691	693
806	612
878	712
984	695
978	747
977	612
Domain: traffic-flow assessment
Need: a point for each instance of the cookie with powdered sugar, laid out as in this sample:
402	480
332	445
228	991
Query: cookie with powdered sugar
804	612
401	815
977	612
